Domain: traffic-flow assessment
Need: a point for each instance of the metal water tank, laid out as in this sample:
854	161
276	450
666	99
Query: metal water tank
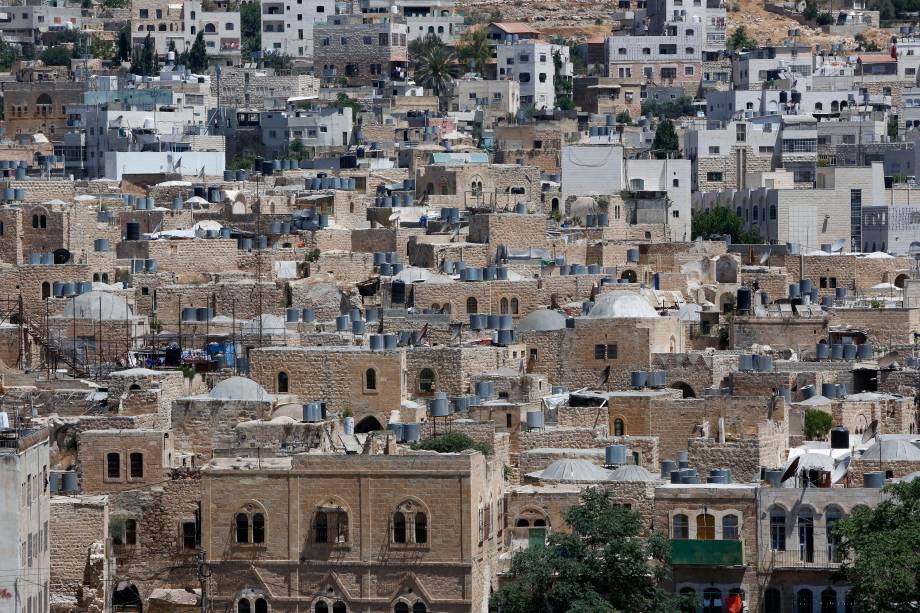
69	289
85	287
505	338
375	342
805	286
615	455
822	351
292	316
202	314
874	480
312	412
746	362
390	341
586	307
54	481
829	390
632	256
57	289
774	477
744	300
667	467
411	432
439	407
638	379
794	290
397	430
534	420
837	351
807	392
763	363
840	293
864	351
342	323
493	322
478	321
357	327
69	481
484	389
849	351
840	438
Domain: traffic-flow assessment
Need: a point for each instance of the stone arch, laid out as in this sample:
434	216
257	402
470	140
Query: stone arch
128	597
368	424
901	279
629	275
685	388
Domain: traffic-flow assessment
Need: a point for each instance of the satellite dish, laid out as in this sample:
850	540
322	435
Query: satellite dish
840	469
764	257
838	245
791	470
870	432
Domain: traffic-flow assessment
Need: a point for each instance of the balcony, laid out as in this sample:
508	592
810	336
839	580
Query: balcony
802	558
707	553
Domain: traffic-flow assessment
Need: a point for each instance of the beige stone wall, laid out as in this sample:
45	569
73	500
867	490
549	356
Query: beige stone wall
75	525
94	446
203	425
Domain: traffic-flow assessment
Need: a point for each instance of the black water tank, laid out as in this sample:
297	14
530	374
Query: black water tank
133	231
744	300
398	292
840	438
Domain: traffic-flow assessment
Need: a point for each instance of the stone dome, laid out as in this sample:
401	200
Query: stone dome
270	325
542	320
103	306
892	450
631	472
239	388
571	470
622	305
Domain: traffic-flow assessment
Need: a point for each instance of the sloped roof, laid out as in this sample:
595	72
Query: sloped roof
515	27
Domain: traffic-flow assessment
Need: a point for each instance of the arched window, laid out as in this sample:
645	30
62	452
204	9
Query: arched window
681	527
806	525
258	534
370	379
730	528
777	529
399	527
321	607
832	516
261	605
242	528
113	465
772	601
712	600
705	527
619	427
828	600
471	305
42	221
421	528
339	607
803	601
282	382
34	221
515	306
209	28
419	607
503	306
426	381
243	606
401	607
136	465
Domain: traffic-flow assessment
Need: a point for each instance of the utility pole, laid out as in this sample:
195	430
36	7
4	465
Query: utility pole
203	572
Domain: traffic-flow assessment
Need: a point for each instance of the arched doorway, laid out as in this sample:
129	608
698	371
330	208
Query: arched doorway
900	280
629	275
368	424
684	388
127	598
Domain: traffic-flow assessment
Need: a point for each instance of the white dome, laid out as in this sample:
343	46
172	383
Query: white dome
271	325
631	472
542	320
99	306
892	450
571	470
622	305
239	388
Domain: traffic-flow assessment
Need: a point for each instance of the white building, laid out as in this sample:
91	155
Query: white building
19	24
287	27
24	511
178	25
324	127
207	163
531	63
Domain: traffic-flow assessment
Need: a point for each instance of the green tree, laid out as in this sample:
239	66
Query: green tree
144	61
278	61
623	117
892	128
739	40
297	150
811	10
474	50
116	4
101	48
817	424
879	550
124	43
425	45
435	69
57	56
251	28
8	55
604	565
720	220
562	84
453	442
824	19
665	144
669	109
196	58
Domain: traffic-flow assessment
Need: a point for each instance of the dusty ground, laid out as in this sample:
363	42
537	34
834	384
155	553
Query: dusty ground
579	20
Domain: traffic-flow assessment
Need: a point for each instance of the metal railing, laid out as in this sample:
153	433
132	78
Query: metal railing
829	557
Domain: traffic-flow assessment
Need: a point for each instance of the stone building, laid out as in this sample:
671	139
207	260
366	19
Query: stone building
320	523
360	49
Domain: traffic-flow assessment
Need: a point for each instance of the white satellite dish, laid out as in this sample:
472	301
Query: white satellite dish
838	245
840	469
764	257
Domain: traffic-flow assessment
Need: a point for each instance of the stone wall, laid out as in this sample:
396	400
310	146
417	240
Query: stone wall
76	524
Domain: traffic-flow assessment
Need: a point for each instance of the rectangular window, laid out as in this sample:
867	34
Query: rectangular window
600	352
383	39
777	533
137	466
189	537
507	420
713	150
113	465
714	176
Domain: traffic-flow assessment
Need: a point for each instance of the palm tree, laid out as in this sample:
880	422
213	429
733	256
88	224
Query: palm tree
423	45
436	69
474	49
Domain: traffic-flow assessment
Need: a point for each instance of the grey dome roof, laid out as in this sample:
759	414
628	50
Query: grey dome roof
572	470
542	320
239	388
892	450
631	472
622	305
103	306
